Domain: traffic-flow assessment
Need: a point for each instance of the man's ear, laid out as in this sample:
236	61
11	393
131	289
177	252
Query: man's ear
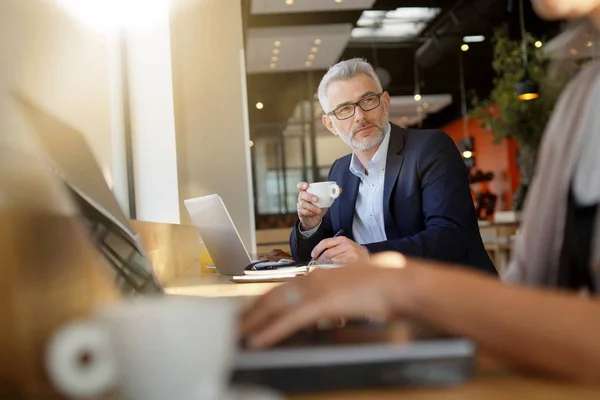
328	124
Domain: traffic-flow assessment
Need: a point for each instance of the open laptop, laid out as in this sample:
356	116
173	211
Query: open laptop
356	356
359	355
226	248
219	234
70	157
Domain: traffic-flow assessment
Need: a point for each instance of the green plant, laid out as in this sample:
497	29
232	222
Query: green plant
507	116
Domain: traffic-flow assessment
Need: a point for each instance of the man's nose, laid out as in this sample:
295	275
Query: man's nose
359	114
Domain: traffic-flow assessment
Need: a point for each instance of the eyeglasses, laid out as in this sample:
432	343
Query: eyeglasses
346	111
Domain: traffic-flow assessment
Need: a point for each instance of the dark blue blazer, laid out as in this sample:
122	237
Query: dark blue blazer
427	206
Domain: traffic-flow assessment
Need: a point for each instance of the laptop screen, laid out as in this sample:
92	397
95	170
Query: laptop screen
132	270
71	159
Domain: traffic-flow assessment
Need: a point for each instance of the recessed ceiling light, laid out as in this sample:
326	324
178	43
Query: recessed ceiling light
538	44
573	51
474	39
274	59
308	63
313	49
338	1
317	41
272	65
403	22
251	143
275	51
464	47
259	105
311	56
277	43
417	97
425	106
590	43
289	2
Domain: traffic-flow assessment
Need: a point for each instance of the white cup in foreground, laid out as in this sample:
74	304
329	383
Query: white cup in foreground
326	192
148	349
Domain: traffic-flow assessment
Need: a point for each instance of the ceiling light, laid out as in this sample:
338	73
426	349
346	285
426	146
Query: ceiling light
474	39
528	96
573	51
467	154
590	43
317	41
338	1
396	30
251	143
313	49
417	97
405	22
272	65
289	2
426	106
277	43
464	47
527	89
412	13
274	59
259	105
308	63
311	56
275	51
538	44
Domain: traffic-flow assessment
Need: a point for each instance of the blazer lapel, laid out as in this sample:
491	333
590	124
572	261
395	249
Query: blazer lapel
393	165
348	201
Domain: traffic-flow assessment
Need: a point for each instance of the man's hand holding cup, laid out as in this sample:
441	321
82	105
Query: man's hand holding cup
313	201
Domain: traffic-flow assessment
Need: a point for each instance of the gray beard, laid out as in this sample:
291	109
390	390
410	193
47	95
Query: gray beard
364	145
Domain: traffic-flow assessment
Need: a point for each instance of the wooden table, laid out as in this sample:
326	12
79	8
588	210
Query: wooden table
491	381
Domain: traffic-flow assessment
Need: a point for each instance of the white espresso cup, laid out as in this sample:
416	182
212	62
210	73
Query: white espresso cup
326	193
148	349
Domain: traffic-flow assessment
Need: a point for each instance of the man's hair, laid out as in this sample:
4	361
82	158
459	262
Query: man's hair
345	70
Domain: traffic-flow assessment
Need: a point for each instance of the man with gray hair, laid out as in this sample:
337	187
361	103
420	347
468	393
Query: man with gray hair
402	190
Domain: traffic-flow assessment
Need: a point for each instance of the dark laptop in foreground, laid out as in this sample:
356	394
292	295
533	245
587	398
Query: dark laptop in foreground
358	355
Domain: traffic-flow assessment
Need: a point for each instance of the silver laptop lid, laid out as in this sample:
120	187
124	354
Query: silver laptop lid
70	157
219	234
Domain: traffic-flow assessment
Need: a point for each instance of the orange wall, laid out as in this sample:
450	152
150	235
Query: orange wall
497	158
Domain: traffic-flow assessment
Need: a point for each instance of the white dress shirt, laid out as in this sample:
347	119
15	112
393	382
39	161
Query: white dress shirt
368	225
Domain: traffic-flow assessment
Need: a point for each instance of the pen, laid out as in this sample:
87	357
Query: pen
339	233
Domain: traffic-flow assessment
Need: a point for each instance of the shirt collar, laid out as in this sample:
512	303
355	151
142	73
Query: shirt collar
378	160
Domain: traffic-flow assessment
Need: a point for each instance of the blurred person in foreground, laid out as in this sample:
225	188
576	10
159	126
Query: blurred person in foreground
541	329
